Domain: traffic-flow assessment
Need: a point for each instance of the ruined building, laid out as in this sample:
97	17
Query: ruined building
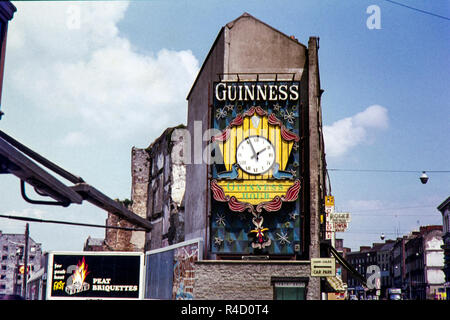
157	194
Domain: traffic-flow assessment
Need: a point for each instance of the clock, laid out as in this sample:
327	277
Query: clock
255	155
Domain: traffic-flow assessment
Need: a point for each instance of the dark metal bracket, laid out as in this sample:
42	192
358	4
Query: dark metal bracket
49	203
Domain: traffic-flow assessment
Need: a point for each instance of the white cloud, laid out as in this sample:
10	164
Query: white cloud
91	74
75	138
345	134
365	204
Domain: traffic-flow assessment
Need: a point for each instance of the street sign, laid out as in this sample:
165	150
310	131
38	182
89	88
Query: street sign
323	267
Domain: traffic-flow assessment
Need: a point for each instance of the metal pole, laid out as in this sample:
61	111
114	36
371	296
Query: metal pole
25	263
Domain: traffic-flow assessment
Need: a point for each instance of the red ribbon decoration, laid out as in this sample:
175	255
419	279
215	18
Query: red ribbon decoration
270	206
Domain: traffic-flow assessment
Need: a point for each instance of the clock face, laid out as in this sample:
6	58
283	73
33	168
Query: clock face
255	155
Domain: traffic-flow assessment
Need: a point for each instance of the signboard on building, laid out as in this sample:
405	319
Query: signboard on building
340	221
340	226
329	201
255	181
323	267
22	269
95	275
340	217
329	225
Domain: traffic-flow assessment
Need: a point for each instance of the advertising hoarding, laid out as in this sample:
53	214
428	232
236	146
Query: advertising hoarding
95	275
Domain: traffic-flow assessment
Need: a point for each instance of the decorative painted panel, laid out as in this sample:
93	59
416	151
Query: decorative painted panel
255	181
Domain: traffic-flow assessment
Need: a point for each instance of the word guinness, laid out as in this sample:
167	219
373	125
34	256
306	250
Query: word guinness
249	92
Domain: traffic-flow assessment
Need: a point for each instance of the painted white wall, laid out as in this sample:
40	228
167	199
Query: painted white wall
435	276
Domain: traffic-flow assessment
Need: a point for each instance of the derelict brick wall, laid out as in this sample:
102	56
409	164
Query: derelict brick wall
117	239
140	172
246	280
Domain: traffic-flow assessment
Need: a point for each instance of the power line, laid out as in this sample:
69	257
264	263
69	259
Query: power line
69	223
418	10
387	209
387	214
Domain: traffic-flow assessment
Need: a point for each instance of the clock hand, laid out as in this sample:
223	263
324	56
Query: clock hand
258	153
253	149
261	151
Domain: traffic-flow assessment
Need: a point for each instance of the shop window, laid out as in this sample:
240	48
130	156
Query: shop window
289	288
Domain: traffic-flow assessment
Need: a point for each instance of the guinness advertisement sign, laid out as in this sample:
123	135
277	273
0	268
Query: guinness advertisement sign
255	183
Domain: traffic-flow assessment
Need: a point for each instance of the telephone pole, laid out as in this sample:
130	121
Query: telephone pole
25	262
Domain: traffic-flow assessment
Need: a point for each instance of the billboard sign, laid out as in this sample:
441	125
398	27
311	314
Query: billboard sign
95	275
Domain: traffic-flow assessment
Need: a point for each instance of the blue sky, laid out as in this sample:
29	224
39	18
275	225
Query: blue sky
83	92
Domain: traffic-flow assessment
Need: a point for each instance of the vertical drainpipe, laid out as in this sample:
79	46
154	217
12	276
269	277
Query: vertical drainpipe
207	193
314	146
314	291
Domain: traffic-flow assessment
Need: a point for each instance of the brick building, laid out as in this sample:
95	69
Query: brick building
412	264
12	259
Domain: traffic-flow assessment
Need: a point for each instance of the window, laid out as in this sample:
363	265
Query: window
289	293
289	288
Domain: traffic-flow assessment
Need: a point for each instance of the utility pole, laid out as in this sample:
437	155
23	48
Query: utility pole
25	262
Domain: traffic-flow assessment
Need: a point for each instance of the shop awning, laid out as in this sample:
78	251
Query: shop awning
27	165
337	284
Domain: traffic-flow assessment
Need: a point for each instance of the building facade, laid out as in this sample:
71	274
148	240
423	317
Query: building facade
360	260
424	278
257	86
384	258
411	265
257	212
12	262
444	208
